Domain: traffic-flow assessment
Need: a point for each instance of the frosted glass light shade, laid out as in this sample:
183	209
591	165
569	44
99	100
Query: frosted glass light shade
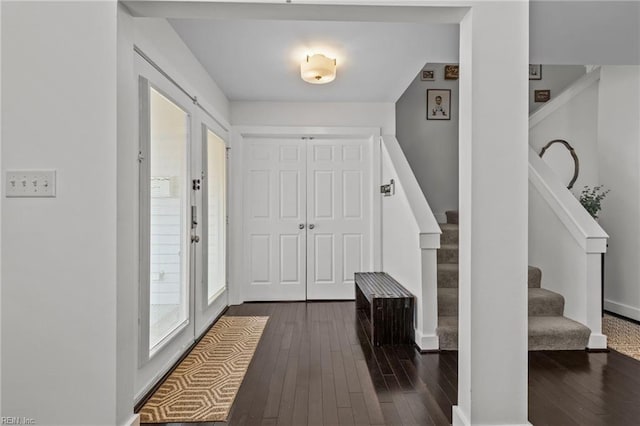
318	69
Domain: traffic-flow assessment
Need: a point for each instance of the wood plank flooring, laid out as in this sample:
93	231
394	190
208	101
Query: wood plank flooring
315	366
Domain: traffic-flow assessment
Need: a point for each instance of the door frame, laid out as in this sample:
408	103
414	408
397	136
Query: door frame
237	292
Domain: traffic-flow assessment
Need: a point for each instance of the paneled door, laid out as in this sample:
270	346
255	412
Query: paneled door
307	217
338	216
275	219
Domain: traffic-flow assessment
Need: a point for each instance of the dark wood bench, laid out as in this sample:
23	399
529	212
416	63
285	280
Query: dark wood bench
388	306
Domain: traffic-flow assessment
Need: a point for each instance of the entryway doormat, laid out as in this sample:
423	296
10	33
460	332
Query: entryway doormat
623	336
204	385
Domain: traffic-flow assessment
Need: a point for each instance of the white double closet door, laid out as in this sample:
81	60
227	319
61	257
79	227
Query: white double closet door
307	217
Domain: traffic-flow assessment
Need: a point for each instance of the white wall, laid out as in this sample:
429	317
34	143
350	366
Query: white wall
585	32
400	236
431	146
157	38
567	244
328	114
575	121
410	238
557	253
127	270
1	180
619	153
59	254
555	78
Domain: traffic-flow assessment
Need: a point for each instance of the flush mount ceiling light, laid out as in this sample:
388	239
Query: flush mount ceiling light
318	69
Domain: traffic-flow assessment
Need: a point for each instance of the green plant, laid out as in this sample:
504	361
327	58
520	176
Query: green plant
591	199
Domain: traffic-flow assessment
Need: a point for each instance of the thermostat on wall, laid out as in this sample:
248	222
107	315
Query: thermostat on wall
30	183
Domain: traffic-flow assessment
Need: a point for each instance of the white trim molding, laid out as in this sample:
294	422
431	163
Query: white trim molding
134	420
427	342
460	419
569	93
622	309
586	231
597	341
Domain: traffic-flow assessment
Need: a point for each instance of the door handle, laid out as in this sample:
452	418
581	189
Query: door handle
301	226
195	238
311	226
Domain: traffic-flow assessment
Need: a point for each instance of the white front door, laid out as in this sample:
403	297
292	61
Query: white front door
182	229
307	217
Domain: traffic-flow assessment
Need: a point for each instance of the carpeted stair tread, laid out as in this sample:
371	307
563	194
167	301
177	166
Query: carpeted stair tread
545	303
534	277
548	329
449	233
452	216
545	333
448	301
541	302
557	333
447	332
448	253
447	275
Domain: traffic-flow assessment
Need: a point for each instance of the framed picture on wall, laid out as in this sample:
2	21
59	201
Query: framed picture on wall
541	95
438	104
535	72
451	72
428	75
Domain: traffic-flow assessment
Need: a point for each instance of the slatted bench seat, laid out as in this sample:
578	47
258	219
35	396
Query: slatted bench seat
388	306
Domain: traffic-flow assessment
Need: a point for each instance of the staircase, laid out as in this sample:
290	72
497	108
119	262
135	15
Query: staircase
548	328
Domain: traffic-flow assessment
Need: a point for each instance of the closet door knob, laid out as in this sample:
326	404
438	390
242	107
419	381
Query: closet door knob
301	226
312	226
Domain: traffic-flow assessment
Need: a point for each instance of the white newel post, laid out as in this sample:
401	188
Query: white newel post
593	292
492	375
426	336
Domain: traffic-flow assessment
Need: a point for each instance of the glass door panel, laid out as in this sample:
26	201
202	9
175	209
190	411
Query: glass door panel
216	218
169	198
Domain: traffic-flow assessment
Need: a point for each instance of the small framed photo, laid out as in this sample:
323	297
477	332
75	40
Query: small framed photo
535	72
438	104
428	75
541	95
451	72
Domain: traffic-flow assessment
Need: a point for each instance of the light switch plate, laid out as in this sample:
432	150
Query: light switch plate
30	183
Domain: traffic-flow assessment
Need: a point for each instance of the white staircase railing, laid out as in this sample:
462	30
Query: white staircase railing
410	239
564	240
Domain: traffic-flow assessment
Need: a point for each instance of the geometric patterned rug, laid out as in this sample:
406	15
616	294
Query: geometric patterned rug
204	385
623	336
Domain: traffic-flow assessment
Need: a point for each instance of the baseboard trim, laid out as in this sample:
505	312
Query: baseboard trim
630	312
134	420
622	317
459	419
597	341
427	342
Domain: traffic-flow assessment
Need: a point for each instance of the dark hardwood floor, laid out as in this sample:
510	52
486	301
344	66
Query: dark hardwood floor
315	366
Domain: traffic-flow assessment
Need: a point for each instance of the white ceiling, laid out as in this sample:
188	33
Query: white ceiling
259	60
